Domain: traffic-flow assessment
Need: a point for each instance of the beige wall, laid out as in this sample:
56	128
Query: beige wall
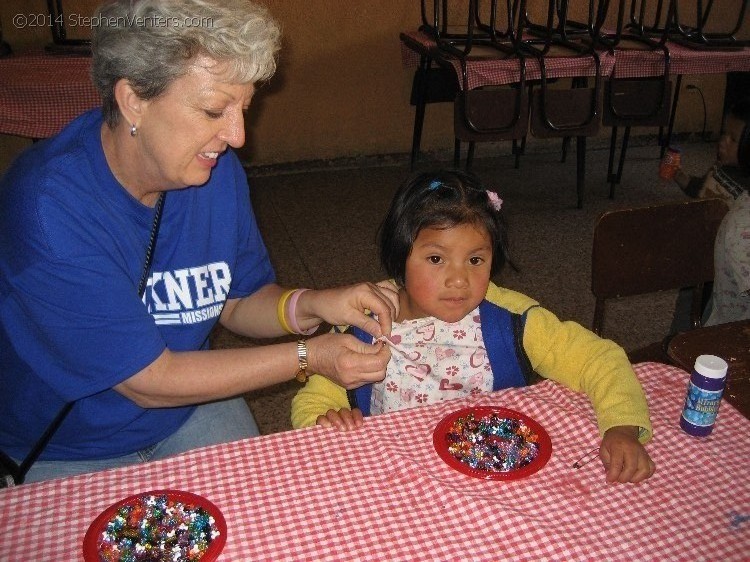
341	89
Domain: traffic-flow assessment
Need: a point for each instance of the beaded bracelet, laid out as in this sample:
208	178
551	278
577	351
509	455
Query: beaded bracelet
281	310
293	314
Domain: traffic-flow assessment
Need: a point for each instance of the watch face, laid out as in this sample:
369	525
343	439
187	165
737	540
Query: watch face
301	374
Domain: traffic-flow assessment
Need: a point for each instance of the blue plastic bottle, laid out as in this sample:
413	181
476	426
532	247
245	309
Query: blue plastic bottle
704	395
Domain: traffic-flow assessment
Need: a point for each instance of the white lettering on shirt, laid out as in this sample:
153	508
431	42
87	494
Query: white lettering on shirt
188	295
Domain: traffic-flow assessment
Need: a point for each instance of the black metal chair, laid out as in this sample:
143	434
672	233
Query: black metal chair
480	114
696	34
651	19
638	102
566	28
564	113
61	43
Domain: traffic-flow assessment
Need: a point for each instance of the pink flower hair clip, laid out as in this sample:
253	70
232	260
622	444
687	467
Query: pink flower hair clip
495	201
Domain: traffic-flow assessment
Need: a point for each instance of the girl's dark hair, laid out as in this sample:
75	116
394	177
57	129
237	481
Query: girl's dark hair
439	199
741	111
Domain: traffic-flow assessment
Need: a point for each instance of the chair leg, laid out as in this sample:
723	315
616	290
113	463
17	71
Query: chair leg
611	162
580	169
673	112
518	151
598	322
616	177
565	146
456	153
623	151
419	110
470	155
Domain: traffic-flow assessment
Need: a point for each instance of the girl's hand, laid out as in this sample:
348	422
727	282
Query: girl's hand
623	456
347	305
343	420
346	360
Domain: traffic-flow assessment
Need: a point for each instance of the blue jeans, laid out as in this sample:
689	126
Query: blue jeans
210	424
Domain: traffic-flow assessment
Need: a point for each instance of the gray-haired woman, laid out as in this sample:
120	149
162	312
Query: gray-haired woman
109	289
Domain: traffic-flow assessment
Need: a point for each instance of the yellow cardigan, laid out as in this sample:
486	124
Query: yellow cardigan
564	352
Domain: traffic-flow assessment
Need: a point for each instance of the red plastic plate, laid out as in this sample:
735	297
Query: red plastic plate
441	442
91	540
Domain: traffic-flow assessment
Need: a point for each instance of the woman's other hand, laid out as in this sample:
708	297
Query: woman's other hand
346	360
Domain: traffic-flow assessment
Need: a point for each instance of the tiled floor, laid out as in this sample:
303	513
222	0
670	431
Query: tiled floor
320	227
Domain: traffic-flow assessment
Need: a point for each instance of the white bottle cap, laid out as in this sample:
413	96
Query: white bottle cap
711	367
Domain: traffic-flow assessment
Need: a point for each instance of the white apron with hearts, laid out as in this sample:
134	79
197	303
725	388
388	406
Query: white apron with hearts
432	361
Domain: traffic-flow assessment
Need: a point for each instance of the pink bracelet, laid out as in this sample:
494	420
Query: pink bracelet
293	314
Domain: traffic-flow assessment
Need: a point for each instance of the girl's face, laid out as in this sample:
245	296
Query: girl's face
730	141
447	273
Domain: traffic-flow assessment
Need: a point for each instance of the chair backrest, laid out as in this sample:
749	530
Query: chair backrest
648	249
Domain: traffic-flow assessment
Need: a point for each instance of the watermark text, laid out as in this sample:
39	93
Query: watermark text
31	20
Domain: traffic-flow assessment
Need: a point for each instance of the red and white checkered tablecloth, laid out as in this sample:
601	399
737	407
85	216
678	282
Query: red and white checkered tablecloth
41	93
382	492
624	63
498	71
682	61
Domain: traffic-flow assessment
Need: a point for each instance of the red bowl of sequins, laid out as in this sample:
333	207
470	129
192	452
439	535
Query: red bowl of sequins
492	443
156	526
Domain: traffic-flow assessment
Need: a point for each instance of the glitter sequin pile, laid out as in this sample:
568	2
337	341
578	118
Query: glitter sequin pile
492	443
157	529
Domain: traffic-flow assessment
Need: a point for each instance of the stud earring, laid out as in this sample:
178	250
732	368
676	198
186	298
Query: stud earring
133	131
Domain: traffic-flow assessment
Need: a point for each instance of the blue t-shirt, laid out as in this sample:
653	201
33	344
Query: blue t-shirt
72	249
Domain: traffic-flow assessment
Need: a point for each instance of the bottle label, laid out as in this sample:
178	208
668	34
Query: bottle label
701	406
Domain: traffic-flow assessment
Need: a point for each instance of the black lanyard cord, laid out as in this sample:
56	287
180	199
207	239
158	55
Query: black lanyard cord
151	243
18	472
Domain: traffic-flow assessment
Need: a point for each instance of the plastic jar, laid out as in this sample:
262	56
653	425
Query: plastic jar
704	395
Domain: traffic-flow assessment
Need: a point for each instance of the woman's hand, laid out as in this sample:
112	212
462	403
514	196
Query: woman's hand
347	305
346	360
343	420
623	456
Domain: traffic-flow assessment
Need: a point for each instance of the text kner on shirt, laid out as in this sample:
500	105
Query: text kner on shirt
189	295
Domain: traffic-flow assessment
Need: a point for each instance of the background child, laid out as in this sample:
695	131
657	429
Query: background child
457	333
728	179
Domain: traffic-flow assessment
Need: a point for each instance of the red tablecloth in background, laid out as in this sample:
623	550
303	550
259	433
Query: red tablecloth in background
382	493
624	63
41	93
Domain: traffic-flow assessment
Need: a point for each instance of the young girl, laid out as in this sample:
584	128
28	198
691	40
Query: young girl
728	179
457	333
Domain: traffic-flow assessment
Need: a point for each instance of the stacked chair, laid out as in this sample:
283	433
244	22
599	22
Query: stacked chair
467	32
482	114
637	102
565	113
506	30
694	32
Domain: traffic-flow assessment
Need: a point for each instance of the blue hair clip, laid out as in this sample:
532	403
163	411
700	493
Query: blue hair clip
434	184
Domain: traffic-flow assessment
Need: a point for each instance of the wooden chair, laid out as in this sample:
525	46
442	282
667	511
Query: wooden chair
649	249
